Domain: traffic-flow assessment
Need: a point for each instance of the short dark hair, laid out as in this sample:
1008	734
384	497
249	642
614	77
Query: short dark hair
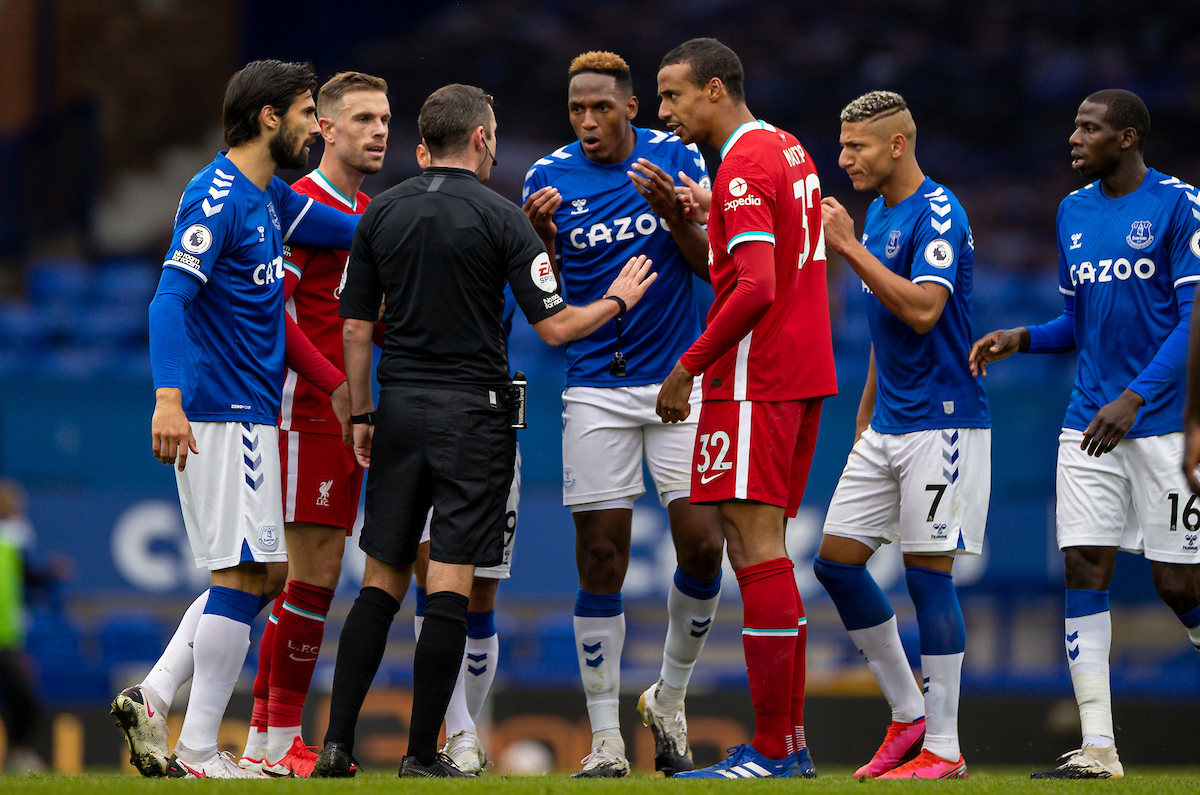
709	58
603	63
341	84
256	85
1124	109
449	116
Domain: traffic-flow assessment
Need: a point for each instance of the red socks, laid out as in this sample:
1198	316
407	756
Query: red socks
296	643
258	718
797	740
771	640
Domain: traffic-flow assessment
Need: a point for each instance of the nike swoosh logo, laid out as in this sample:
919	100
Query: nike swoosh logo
710	478
149	712
302	659
193	771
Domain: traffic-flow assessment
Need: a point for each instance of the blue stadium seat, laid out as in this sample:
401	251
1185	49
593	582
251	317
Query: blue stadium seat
65	279
118	324
24	327
131	637
126	281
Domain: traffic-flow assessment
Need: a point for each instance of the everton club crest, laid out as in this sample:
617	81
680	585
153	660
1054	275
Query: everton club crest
893	244
1140	236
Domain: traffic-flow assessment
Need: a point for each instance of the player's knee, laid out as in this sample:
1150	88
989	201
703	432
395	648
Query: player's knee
1178	590
1084	570
701	557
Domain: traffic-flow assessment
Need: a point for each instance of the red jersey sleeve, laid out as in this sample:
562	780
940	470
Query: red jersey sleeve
747	203
752	296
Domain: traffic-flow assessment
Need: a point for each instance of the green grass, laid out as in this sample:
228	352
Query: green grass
993	781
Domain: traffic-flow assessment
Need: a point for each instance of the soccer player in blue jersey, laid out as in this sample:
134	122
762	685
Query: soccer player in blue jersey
217	356
595	203
920	469
1128	263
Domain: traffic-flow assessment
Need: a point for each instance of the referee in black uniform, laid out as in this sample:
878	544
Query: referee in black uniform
438	249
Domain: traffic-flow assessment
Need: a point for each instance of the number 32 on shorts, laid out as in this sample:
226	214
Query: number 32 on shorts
718	443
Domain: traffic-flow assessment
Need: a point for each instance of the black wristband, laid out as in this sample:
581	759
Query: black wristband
363	419
620	303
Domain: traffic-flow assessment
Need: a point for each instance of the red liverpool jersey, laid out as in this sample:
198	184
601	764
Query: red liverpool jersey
767	190
313	285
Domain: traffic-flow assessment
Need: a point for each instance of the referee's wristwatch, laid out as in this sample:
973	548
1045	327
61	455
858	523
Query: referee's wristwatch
363	419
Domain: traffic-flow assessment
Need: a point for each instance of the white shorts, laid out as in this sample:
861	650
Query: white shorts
929	490
232	496
1135	498
504	570
607	431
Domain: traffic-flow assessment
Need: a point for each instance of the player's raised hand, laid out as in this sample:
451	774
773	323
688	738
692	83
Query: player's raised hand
364	435
838	225
657	188
633	280
695	197
540	207
1111	423
994	346
340	400
672	404
170	432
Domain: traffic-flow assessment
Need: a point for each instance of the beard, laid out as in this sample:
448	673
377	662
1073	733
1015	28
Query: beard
287	150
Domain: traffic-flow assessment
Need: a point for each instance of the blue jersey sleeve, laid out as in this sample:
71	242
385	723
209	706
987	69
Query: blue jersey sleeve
694	166
1185	240
309	223
535	180
172	298
1167	364
201	233
1057	336
940	236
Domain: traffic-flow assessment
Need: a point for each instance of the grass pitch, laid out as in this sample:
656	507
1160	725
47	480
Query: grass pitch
993	781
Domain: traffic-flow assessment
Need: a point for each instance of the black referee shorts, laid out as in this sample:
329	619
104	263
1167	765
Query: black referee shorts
446	449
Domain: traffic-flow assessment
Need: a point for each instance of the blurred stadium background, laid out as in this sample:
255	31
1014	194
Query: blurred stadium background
109	106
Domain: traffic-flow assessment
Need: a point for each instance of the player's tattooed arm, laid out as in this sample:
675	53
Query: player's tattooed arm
996	345
660	193
866	406
170	432
540	207
1111	423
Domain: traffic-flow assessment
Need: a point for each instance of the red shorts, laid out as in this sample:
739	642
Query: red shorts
322	481
746	450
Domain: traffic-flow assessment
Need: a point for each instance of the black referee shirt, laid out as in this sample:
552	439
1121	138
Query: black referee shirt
438	248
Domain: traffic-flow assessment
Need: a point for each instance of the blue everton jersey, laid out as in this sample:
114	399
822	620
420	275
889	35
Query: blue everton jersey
602	222
1122	260
229	234
922	380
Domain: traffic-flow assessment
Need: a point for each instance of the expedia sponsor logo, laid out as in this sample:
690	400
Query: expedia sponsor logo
185	259
744	201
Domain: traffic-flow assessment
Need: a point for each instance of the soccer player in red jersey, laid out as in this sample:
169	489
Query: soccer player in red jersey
767	363
321	479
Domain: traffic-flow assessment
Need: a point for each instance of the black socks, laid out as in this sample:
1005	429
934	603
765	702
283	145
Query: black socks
435	670
360	649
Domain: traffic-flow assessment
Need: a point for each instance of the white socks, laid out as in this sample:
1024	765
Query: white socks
175	665
599	641
220	650
881	649
690	620
942	675
1088	641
